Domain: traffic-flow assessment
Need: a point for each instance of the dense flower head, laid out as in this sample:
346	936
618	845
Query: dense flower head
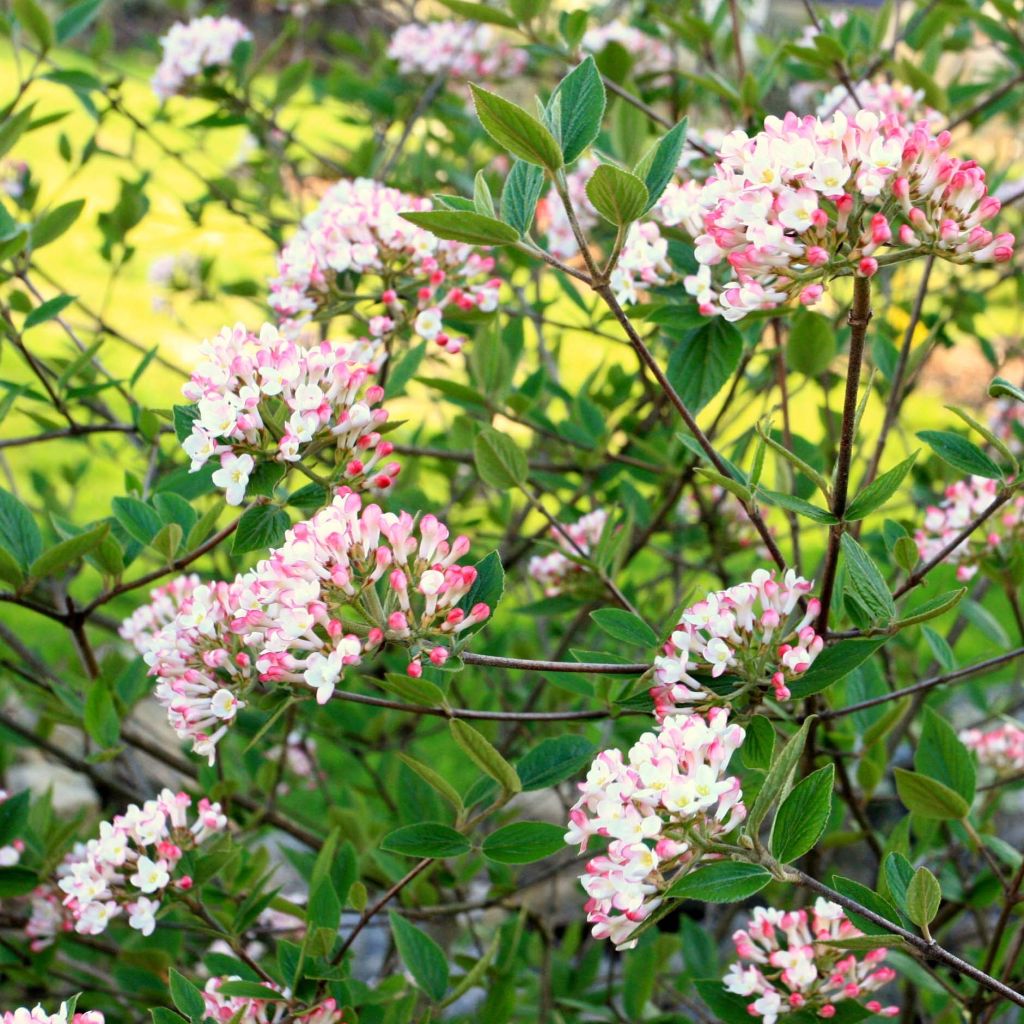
11	852
559	569
247	1010
134	863
284	621
964	501
37	1015
746	632
1001	748
191	48
659	808
809	199
887	99
786	967
460	49
357	229
650	54
267	395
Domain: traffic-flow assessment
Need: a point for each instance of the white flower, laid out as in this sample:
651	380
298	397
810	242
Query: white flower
150	876
233	476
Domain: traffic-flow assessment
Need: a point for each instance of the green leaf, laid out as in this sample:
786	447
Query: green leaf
18	531
726	1006
523	842
924	894
811	345
480	12
432	778
778	780
484	755
803	816
659	164
866	898
33	19
879	491
517	131
499	460
76	19
617	195
140	521
759	744
553	760
261	526
930	799
101	719
52	225
941	756
488	586
426	839
794	504
10	571
722	881
60	556
186	996
422	955
416	691
960	453
865	583
703	360
47	311
13	816
483	201
1002	388
17	882
898	872
464	226
578	102
520	195
835	663
624	626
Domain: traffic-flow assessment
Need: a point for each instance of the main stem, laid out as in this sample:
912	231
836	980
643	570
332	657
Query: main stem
860	316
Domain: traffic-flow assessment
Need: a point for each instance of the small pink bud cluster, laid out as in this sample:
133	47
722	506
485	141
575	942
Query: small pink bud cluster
14	178
965	500
810	199
248	1010
744	631
733	526
557	571
659	809
459	49
894	100
330	404
133	864
357	229
10	853
649	54
1001	748
787	967
38	1015
189	50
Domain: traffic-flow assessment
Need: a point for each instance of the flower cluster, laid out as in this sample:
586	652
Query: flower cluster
14	178
38	1015
650	55
642	263
357	229
890	100
133	863
788	966
745	631
203	44
964	501
266	395
10	853
557	571
248	1010
1001	748
659	808
283	622
462	50
809	199
733	525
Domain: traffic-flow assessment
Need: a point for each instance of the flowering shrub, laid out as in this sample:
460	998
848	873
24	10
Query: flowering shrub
598	534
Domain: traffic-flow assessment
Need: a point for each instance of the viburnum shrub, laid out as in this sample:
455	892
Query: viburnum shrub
511	511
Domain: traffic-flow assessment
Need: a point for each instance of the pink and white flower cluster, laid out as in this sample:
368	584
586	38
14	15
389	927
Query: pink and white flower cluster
133	864
642	263
283	622
1001	748
459	49
247	1010
810	199
964	501
558	570
267	395
10	853
650	55
745	631
659	808
189	49
38	1015
894	100
786	965
357	229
